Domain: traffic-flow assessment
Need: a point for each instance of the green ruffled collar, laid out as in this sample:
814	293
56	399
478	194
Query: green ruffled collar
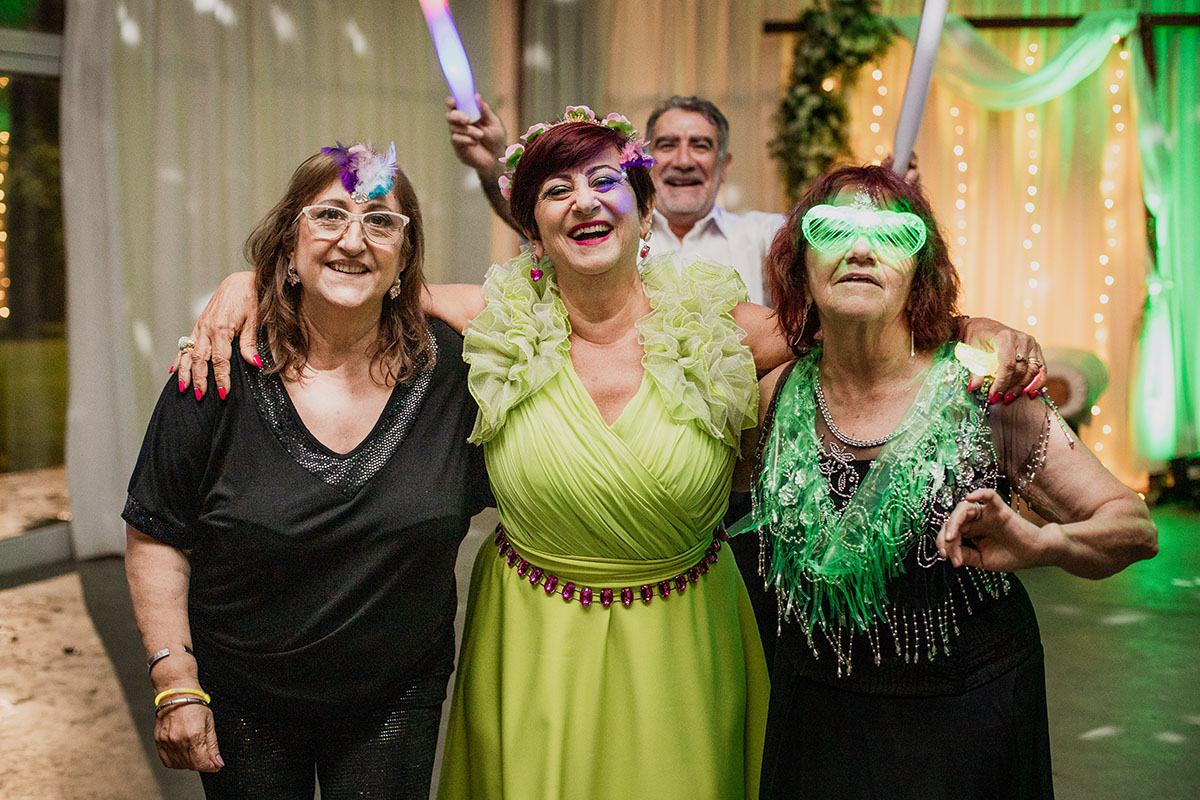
693	348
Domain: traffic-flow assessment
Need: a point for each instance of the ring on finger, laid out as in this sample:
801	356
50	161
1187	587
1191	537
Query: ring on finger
186	343
1020	357
1036	363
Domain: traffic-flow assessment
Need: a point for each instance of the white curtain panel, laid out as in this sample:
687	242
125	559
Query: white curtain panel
182	121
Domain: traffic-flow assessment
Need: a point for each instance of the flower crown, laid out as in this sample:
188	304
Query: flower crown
365	173
633	152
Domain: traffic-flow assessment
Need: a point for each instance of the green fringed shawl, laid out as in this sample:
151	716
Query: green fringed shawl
832	568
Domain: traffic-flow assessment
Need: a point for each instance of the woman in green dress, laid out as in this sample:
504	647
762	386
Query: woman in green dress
610	649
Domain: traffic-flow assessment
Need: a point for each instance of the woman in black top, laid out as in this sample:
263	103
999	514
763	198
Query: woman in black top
909	665
291	547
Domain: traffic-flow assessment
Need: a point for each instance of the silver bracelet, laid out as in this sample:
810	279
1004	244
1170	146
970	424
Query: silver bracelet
161	654
178	701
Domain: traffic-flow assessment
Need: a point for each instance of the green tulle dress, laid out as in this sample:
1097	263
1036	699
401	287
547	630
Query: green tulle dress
557	698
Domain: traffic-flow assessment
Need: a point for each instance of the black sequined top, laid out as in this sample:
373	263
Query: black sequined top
948	630
318	580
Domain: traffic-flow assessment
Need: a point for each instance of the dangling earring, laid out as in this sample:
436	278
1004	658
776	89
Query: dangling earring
912	350
394	292
646	247
293	277
535	272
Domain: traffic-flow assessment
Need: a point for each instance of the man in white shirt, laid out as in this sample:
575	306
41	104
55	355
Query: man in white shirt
689	140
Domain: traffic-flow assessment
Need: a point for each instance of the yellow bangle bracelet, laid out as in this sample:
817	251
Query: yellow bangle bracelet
169	692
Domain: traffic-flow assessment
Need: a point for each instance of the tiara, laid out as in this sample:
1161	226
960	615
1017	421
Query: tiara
365	173
633	152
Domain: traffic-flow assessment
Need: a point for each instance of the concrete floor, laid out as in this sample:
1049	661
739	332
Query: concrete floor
1122	664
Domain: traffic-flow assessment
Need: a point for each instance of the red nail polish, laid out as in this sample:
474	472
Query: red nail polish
198	394
221	392
182	386
994	398
1008	398
257	361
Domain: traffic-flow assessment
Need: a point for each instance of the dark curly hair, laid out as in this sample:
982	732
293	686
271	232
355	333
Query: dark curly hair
563	147
403	342
932	296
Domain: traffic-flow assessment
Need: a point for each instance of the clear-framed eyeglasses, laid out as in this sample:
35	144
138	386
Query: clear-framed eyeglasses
330	222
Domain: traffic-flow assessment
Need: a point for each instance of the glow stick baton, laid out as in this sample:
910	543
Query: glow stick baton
451	55
919	75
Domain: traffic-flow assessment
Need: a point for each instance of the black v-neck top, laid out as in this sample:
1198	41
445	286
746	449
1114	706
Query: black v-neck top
318	579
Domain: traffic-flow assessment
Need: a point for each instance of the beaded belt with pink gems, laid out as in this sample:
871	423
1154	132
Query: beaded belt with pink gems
586	594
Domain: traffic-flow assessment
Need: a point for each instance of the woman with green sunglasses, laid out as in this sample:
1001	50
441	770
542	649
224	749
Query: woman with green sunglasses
909	662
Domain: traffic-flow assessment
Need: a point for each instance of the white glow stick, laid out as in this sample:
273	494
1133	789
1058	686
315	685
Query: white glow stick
919	75
451	55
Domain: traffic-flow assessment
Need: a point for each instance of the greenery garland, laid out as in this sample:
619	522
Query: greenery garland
833	43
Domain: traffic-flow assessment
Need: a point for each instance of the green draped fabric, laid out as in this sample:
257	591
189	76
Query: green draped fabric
974	70
1167	400
556	700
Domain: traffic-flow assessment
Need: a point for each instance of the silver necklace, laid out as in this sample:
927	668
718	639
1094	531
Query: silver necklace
841	437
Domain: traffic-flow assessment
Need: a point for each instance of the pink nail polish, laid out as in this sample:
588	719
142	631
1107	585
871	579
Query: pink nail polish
198	394
994	398
257	361
182	386
221	392
171	370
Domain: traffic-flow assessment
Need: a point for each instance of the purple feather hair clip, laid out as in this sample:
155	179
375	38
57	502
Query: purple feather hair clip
365	174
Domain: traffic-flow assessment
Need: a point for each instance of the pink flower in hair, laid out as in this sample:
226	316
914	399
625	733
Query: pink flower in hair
505	187
579	114
619	122
534	131
633	154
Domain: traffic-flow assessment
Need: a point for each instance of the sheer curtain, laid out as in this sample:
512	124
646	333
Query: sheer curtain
182	122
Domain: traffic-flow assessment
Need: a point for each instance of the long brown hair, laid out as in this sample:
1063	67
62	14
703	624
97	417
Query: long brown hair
932	296
402	345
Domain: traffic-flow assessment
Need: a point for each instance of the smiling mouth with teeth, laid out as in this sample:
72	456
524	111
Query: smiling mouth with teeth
348	269
591	232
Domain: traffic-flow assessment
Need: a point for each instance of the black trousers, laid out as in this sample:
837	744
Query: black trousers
384	752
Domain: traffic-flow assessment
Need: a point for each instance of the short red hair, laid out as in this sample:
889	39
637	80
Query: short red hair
932	296
563	147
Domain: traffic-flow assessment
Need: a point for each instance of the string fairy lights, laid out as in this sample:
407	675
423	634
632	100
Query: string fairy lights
1035	283
1114	165
875	126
